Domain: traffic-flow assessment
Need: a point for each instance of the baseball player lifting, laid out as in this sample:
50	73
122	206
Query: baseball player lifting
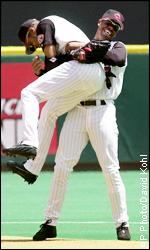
83	77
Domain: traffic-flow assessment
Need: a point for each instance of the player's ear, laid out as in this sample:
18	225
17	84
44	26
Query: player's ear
98	24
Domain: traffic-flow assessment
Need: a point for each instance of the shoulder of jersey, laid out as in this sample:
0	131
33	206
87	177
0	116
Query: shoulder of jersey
53	16
114	42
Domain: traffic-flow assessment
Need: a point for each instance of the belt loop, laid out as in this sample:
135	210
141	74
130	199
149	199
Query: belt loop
98	102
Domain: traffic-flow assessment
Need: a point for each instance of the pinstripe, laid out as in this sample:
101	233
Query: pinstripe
77	129
114	182
112	196
68	154
60	178
63	88
55	84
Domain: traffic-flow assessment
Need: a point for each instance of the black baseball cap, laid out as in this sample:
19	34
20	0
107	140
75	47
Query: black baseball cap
115	16
24	29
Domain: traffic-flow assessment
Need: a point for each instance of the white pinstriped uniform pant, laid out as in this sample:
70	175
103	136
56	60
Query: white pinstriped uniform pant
97	124
71	80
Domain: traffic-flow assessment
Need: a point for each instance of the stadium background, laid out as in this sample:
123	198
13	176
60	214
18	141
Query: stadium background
132	114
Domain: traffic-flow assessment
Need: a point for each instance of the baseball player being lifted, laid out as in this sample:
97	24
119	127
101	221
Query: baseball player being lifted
68	79
94	120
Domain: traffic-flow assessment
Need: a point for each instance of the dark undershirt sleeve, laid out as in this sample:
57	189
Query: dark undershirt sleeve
51	63
47	28
116	56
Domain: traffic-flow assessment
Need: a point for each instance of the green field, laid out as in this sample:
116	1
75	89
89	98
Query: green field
86	212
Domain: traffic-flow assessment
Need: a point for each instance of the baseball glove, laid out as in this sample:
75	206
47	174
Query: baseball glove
92	52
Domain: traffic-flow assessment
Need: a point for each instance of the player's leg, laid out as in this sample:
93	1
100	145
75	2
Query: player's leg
68	79
73	139
104	139
46	126
30	169
64	80
49	114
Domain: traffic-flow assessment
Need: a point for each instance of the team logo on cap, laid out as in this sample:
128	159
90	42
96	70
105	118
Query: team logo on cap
117	16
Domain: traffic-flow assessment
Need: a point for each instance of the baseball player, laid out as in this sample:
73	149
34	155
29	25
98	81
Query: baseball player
93	119
69	79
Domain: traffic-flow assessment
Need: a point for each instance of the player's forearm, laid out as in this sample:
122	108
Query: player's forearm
49	51
73	45
51	59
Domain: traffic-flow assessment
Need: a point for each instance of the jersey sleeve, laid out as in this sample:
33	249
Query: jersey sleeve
47	28
117	56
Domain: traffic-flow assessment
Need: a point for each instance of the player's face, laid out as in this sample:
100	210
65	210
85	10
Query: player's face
108	29
31	39
31	42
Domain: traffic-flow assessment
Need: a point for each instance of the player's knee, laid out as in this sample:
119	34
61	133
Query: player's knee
63	167
113	176
112	171
25	93
28	93
65	163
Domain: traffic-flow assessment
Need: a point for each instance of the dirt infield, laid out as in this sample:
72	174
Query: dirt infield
10	242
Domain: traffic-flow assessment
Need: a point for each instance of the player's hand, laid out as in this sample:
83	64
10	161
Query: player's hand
92	52
37	65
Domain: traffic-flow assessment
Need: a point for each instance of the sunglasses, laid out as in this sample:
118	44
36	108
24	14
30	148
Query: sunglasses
115	25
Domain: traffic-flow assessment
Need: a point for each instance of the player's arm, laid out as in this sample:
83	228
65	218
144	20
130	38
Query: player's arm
92	52
40	67
47	29
51	60
101	51
116	56
73	45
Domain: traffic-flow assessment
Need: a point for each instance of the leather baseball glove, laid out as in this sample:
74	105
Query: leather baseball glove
92	52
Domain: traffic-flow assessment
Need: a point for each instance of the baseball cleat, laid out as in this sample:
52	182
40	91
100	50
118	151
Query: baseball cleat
123	232
22	150
19	169
45	232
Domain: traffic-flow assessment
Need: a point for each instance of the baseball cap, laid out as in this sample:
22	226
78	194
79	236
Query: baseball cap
23	34
24	28
114	16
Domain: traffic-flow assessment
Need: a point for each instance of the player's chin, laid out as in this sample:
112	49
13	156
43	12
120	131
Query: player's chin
107	37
